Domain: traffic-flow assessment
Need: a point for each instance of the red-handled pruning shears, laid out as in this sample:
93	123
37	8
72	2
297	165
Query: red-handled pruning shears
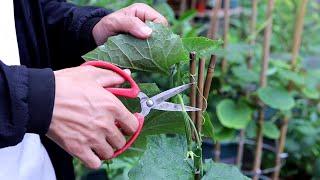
156	102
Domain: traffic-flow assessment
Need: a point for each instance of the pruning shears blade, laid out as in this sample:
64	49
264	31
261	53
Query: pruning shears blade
168	106
162	97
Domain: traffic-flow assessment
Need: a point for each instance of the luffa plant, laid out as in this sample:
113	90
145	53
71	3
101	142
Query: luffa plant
157	154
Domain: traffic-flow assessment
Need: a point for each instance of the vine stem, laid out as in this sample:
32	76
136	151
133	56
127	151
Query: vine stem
263	83
295	51
214	23
253	21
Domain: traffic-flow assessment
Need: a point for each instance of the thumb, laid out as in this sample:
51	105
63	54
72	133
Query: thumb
136	27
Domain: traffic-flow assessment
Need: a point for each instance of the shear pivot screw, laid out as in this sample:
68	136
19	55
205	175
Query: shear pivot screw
149	103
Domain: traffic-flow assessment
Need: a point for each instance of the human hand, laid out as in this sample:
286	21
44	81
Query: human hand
84	115
128	20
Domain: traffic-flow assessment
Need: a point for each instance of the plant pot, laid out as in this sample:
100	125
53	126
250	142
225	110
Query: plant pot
95	175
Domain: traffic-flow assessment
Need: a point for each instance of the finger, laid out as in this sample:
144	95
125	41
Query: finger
136	27
103	149
115	138
147	13
107	78
89	159
126	120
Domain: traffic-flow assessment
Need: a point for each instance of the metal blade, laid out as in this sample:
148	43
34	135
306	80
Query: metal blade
159	98
168	106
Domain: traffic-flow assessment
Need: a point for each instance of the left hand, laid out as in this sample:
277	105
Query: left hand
128	20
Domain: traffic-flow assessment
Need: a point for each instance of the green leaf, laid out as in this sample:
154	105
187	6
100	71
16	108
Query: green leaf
270	130
156	122
208	128
160	122
311	93
204	47
220	171
234	115
164	158
277	98
245	74
155	54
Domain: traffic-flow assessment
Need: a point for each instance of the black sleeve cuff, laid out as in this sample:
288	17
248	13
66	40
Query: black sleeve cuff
86	33
41	94
89	22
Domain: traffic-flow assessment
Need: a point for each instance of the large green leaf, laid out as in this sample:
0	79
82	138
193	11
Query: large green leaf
204	47
277	98
234	115
270	130
220	171
164	158
245	74
155	54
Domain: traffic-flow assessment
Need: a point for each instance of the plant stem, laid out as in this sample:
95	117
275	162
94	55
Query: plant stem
186	124
199	120
295	51
253	22
224	62
214	23
263	83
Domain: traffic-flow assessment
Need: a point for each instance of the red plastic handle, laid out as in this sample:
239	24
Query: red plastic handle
140	118
126	92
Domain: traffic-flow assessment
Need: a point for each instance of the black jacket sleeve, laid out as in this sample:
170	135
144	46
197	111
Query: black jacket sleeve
26	102
69	29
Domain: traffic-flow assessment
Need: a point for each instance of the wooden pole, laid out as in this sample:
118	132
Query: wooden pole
193	90
253	21
183	7
295	51
224	65
263	83
253	25
200	94
200	85
214	23
207	84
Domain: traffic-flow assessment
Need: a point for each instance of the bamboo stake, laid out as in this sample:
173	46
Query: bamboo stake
263	83
193	4
200	94
183	6
225	34
295	51
200	84
214	23
217	151
253	22
207	84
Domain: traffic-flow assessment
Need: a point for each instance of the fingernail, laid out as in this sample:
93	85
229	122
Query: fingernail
127	71
146	30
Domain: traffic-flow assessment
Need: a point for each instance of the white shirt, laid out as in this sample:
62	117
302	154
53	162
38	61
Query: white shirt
28	160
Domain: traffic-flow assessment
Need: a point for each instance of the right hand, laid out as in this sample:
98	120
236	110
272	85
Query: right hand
84	114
